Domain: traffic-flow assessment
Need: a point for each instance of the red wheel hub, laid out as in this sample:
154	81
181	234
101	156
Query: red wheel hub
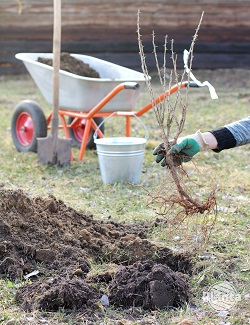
24	129
79	130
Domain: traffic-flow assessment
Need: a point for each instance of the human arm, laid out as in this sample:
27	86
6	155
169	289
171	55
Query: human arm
226	137
232	135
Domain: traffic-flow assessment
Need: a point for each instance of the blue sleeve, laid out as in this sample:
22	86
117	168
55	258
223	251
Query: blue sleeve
232	135
241	131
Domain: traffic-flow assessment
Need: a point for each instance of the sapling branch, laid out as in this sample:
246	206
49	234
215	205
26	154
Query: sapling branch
171	116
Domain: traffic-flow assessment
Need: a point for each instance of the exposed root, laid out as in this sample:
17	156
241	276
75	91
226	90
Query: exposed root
182	207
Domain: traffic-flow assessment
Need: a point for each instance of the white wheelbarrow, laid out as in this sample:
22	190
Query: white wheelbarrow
84	101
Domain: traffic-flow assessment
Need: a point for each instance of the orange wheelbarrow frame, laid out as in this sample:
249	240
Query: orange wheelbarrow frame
96	112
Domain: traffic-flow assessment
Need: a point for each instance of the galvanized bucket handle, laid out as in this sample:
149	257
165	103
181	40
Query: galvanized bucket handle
122	114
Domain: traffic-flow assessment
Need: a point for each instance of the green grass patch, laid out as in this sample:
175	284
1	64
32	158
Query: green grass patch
80	186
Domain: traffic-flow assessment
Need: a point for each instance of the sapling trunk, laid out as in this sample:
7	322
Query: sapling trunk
169	115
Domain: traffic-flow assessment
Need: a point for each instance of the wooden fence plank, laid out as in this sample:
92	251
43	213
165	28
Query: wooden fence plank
108	30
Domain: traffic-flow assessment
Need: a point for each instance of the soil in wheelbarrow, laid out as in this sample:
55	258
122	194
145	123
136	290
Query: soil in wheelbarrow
73	65
52	248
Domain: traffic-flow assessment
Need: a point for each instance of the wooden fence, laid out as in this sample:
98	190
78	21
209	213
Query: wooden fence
108	30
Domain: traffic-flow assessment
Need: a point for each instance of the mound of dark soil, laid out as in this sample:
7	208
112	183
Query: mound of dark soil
70	64
58	292
145	284
148	285
46	236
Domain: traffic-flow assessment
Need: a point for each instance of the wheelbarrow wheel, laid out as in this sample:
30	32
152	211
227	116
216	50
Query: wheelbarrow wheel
28	123
76	133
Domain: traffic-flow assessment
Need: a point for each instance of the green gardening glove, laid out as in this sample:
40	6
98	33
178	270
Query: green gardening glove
187	148
183	150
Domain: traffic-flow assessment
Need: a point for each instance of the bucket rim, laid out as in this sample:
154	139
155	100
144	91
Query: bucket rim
120	141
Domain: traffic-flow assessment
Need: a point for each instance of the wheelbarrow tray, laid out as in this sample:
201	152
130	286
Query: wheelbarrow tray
79	93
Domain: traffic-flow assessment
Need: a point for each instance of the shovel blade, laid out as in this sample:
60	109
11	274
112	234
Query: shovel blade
49	154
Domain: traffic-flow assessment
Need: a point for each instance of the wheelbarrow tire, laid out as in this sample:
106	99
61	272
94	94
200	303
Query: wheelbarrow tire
27	124
76	134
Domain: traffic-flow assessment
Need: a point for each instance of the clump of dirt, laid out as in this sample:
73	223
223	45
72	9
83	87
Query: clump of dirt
57	293
148	285
70	64
59	243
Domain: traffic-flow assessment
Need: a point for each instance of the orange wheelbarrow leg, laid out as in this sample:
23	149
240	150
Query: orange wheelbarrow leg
128	127
85	139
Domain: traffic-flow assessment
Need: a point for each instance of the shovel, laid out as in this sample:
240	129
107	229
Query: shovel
53	150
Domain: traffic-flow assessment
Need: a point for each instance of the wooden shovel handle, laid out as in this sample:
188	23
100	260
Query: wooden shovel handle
56	64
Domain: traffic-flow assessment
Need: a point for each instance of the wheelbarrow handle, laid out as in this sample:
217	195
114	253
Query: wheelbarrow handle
131	85
192	84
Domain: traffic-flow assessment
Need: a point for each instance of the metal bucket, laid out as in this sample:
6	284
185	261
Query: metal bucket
121	158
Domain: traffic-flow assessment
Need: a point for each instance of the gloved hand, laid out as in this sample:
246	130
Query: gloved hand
160	154
183	150
187	148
